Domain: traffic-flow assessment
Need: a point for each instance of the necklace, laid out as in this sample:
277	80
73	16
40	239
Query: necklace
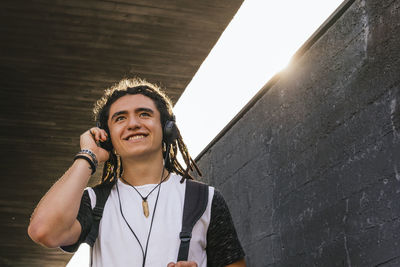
144	251
145	204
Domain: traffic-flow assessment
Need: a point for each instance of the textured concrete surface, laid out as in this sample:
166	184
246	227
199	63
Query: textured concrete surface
312	171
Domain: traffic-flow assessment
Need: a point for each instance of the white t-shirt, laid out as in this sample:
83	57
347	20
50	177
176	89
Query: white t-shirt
118	244
214	240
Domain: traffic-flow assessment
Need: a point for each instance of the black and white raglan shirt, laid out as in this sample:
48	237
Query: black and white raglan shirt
214	240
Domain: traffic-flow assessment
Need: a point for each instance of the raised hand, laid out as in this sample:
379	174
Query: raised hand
89	140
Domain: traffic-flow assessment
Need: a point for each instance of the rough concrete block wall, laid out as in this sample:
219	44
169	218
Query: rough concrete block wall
312	171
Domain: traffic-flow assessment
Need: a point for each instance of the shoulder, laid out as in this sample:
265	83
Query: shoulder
219	210
218	200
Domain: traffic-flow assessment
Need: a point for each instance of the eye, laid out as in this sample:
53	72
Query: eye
119	118
144	114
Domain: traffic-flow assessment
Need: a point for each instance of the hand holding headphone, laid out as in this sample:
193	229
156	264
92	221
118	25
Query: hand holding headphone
89	140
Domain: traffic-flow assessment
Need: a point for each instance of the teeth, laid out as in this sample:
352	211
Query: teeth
136	137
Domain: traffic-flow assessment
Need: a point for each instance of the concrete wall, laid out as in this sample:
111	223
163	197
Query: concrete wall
312	171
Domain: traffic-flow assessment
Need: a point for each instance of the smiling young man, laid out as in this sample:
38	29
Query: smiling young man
136	134
142	216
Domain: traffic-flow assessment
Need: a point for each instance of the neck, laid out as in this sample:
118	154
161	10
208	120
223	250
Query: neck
140	172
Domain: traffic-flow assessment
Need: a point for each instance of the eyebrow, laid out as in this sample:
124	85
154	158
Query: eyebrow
149	110
118	113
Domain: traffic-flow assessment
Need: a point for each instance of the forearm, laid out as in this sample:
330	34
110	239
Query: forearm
57	211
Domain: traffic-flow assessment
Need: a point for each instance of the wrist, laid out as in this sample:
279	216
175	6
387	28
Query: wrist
83	164
90	154
89	157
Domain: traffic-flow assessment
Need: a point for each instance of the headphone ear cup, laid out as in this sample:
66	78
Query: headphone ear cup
170	132
107	145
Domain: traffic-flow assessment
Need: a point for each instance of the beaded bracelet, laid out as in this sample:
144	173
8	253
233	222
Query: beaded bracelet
91	163
91	154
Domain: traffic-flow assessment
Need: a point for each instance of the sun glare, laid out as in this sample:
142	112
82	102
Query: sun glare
258	43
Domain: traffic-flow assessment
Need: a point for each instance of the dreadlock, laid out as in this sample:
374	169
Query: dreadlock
112	167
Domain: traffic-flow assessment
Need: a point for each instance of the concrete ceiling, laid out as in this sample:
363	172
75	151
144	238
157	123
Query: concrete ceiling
57	57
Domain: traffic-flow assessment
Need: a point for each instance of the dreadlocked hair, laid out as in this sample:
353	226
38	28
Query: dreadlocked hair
113	166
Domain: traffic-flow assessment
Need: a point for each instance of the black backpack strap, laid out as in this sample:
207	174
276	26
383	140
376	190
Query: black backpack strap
196	199
102	192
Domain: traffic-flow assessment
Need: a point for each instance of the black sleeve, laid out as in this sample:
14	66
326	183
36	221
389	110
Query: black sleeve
223	246
85	218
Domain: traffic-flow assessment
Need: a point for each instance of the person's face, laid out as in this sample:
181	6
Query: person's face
135	126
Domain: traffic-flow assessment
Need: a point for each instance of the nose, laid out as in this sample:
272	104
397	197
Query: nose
133	123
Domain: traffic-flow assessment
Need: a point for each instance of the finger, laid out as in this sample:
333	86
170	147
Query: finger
189	264
95	132
98	134
104	135
185	264
92	133
171	264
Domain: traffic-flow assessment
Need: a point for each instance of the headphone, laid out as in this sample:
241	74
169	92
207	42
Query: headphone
170	132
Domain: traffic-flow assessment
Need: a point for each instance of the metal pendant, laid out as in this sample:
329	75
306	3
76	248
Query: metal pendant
145	208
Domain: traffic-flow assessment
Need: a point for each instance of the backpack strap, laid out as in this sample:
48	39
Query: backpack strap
102	192
196	199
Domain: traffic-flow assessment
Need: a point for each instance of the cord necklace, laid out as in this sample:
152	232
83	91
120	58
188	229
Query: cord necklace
144	251
145	204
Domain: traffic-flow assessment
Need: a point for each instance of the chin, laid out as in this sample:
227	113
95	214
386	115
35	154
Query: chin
139	153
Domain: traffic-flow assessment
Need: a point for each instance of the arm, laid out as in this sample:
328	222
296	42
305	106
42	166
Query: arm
53	223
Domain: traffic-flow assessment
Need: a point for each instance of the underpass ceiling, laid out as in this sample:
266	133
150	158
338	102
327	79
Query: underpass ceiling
56	59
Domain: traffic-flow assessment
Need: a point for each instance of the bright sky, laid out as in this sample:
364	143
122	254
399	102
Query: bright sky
259	42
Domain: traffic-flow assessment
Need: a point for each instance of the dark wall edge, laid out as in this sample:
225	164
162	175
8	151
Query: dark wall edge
297	55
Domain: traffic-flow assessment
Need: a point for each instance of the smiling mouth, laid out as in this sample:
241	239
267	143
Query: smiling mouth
136	137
